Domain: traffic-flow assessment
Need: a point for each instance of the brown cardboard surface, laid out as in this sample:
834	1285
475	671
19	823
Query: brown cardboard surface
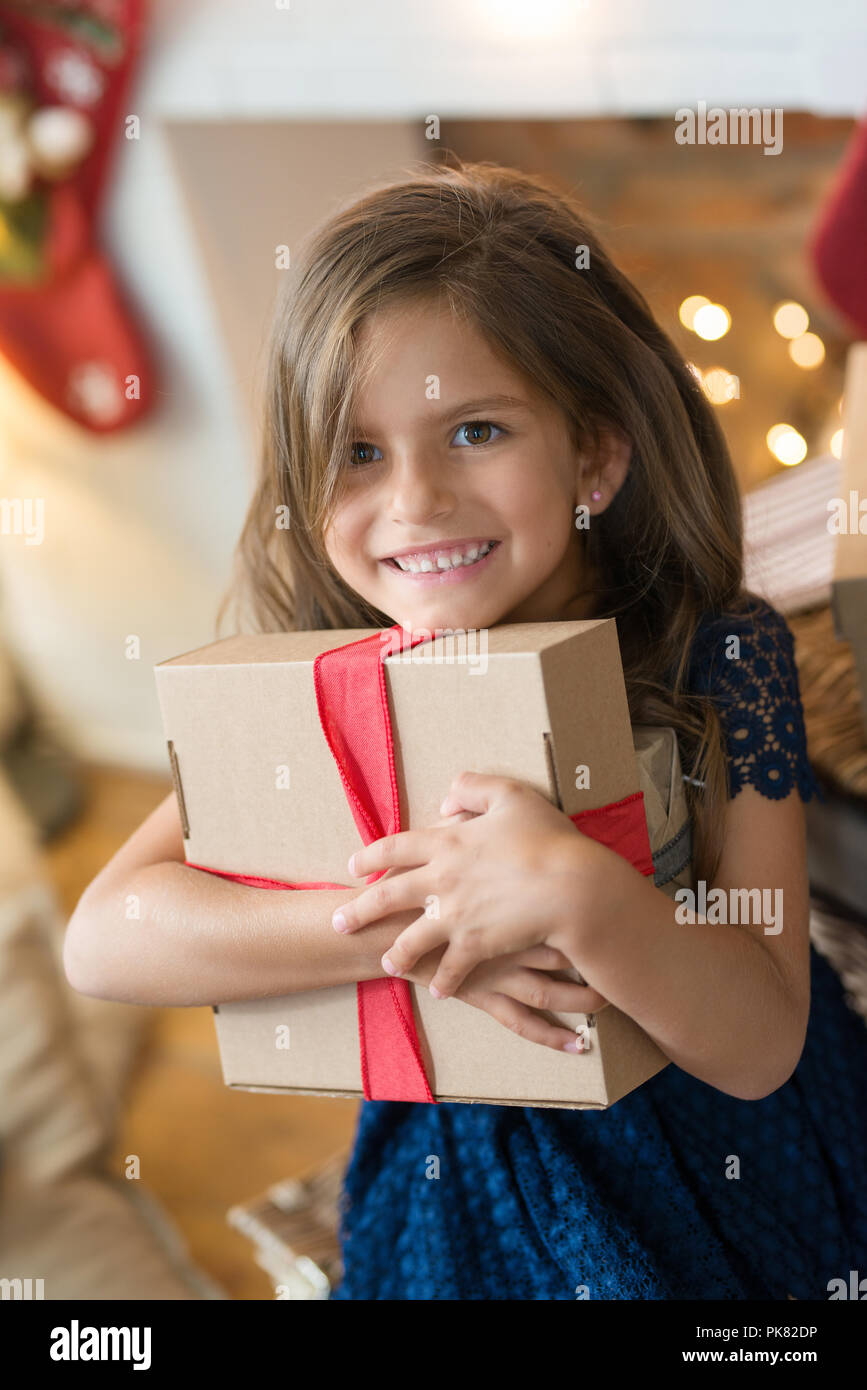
551	697
849	589
850	554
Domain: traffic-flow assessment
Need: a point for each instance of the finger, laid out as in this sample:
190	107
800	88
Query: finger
543	958
387	895
416	940
595	1002
407	849
549	958
520	1019
463	954
540	991
477	791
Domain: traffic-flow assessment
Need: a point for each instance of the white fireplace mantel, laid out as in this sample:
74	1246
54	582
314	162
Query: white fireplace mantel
405	59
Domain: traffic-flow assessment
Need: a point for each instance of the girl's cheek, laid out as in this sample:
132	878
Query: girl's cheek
338	542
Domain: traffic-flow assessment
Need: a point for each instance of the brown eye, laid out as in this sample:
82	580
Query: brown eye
478	432
361	449
476	429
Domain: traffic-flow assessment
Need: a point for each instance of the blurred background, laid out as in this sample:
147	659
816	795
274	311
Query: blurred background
153	156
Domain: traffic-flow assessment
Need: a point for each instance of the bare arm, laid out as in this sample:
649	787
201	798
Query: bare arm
728	1003
200	939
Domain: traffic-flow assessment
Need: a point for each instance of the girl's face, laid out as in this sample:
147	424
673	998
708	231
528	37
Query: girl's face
442	466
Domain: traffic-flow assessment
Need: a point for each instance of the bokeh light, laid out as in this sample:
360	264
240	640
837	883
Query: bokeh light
791	319
689	308
721	386
711	321
786	444
807	351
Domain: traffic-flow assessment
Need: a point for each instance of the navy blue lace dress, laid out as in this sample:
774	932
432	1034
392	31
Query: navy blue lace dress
634	1202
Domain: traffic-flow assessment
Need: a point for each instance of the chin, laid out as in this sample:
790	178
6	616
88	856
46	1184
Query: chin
454	622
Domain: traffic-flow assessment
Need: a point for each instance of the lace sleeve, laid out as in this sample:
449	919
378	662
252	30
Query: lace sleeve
746	664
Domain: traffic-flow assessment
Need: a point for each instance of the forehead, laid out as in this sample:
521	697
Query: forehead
421	351
418	321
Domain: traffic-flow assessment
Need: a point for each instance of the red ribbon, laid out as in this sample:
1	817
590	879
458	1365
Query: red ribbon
352	701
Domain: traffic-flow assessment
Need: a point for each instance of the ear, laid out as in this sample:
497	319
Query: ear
604	470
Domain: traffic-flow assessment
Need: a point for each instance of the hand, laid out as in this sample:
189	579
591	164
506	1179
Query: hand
512	989
505	879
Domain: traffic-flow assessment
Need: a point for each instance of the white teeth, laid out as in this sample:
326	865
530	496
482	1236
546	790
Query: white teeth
446	560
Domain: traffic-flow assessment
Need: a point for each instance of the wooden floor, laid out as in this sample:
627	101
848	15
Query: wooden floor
203	1147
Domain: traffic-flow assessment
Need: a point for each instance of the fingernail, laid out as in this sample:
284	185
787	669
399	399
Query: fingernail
435	992
443	805
573	1047
388	967
351	865
338	922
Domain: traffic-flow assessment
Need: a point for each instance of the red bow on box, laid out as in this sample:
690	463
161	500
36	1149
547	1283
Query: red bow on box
352	701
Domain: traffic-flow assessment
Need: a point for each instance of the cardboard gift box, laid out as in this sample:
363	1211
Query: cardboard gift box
289	750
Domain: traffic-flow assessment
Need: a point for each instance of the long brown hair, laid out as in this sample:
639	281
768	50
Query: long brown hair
500	246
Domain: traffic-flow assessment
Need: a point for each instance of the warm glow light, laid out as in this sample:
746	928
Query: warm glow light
711	321
721	386
807	351
786	444
791	319
543	19
836	444
689	308
840	406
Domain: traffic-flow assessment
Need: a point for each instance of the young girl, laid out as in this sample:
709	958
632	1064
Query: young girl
459	369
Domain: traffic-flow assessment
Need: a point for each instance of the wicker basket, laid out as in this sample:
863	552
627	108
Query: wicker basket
832	704
294	1229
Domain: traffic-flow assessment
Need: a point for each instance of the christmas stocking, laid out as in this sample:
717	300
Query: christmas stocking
65	70
839	238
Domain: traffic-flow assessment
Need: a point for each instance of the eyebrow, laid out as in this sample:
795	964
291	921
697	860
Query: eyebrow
481	403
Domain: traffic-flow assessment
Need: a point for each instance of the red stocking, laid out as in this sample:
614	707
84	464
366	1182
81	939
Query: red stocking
839	239
63	321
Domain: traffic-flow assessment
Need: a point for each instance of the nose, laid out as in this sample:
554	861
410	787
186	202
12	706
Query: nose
417	489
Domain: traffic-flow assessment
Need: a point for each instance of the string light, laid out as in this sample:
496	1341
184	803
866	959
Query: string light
786	444
711	321
807	351
690	307
721	386
791	320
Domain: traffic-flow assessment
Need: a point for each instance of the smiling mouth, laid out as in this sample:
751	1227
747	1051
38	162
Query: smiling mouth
443	562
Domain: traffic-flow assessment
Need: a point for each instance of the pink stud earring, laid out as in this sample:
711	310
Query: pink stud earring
596	494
